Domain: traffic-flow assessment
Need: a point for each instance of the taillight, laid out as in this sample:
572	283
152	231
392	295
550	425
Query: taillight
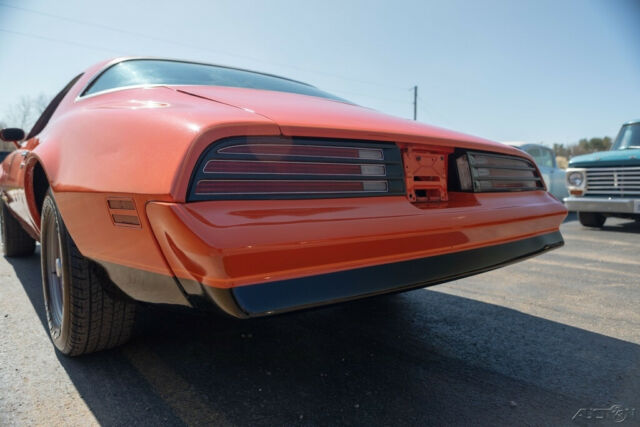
267	167
485	172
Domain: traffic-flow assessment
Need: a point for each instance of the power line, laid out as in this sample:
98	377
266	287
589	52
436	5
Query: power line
435	117
56	40
177	43
94	47
89	46
397	101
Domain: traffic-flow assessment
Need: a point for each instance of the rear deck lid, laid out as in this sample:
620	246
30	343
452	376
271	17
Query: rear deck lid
302	115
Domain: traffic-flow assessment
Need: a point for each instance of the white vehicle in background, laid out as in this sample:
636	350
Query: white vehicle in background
545	158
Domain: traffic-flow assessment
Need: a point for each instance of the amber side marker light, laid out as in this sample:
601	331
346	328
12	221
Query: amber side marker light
126	219
576	192
121	204
123	212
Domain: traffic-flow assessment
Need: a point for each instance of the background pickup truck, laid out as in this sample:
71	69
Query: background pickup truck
607	183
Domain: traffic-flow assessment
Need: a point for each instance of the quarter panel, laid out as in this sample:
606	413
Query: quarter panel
116	145
134	140
98	238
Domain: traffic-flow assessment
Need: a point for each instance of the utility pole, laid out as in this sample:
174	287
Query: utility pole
415	103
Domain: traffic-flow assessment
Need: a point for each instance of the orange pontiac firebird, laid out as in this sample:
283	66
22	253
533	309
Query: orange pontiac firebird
181	183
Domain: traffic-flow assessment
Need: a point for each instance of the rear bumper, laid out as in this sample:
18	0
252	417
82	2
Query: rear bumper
602	204
295	294
237	252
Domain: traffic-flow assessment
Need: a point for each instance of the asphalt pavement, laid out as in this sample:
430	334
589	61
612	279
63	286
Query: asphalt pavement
529	344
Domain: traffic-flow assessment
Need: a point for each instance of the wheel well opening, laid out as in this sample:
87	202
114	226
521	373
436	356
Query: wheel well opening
40	186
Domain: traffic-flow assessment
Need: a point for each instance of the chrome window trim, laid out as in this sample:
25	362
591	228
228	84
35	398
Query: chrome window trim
117	89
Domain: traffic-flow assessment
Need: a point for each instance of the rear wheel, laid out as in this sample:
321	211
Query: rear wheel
591	219
82	316
15	241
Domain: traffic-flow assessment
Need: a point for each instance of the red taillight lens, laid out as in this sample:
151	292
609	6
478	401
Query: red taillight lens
257	168
288	187
289	150
291	168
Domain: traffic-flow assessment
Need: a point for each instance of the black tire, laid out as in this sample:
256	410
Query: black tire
591	219
82	315
15	241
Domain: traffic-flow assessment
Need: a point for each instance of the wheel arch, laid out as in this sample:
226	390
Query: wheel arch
36	185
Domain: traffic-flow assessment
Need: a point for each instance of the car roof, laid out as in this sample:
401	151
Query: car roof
515	143
519	144
632	122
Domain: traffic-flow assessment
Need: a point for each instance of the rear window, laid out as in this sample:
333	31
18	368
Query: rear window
146	72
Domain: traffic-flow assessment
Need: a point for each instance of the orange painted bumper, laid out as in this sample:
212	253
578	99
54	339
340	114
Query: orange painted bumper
227	244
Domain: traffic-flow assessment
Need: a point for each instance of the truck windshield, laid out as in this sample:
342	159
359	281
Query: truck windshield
629	137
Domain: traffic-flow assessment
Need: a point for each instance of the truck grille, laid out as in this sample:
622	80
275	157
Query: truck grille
613	181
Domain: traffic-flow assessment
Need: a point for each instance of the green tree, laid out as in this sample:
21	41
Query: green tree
592	145
23	114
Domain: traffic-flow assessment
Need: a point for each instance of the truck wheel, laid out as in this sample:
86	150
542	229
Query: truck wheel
15	241
82	316
591	219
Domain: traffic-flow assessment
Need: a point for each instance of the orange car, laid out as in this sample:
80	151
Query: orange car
181	183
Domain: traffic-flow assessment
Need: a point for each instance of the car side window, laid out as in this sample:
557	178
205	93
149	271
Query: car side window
547	158
535	153
542	156
51	108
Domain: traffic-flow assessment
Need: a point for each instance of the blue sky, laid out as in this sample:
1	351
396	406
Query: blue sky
536	71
